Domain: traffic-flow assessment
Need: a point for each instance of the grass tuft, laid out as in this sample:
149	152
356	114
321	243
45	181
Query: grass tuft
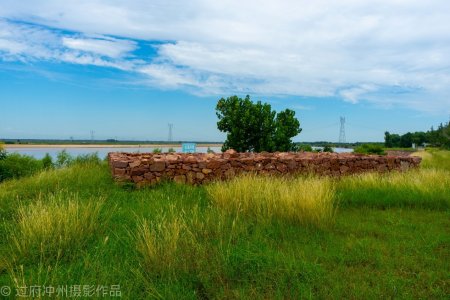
426	188
158	242
54	226
300	200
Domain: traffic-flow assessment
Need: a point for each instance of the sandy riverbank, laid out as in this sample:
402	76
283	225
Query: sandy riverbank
24	146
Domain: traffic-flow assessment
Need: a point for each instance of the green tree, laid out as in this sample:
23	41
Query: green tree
391	140
255	126
286	127
406	140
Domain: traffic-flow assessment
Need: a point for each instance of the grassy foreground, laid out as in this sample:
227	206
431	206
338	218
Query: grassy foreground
366	236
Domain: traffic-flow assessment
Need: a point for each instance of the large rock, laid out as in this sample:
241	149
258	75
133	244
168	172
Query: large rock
158	166
119	164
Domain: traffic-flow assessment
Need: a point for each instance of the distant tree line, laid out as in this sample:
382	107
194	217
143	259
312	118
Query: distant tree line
439	137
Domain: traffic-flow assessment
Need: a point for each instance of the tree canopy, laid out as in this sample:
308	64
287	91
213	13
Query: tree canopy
255	126
439	137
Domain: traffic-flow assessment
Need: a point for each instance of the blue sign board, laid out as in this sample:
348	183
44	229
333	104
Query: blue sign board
188	147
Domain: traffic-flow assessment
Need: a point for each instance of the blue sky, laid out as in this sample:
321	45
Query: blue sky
126	69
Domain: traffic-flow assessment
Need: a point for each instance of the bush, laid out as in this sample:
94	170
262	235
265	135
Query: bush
209	150
157	150
305	148
86	159
370	149
47	161
327	149
63	159
15	165
171	150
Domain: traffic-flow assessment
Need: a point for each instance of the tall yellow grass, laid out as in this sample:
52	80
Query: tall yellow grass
300	200
54	225
427	181
158	242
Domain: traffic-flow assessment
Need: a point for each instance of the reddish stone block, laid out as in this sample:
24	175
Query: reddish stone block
158	166
119	164
118	171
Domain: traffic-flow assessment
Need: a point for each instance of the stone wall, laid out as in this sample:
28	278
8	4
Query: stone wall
198	168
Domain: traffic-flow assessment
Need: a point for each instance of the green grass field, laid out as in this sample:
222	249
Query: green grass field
360	237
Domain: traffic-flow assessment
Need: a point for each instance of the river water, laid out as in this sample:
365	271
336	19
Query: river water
39	152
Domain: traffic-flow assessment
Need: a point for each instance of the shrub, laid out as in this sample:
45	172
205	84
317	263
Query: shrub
305	148
300	200
370	149
63	159
327	149
157	151
209	150
91	158
15	165
171	150
47	161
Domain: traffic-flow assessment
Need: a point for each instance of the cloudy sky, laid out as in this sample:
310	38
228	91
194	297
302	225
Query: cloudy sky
126	69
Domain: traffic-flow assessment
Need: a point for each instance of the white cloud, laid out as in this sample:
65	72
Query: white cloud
108	47
387	52
354	94
27	42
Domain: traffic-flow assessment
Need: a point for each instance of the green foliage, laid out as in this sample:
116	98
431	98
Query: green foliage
15	165
438	138
209	150
87	159
63	159
2	151
327	149
286	127
255	126
157	151
171	150
304	148
370	149
47	161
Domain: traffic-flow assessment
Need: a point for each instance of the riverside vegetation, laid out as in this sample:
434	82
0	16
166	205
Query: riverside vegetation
362	236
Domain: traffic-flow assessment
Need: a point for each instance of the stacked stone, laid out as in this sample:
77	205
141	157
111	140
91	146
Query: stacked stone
198	168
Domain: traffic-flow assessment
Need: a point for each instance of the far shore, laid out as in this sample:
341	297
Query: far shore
24	146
